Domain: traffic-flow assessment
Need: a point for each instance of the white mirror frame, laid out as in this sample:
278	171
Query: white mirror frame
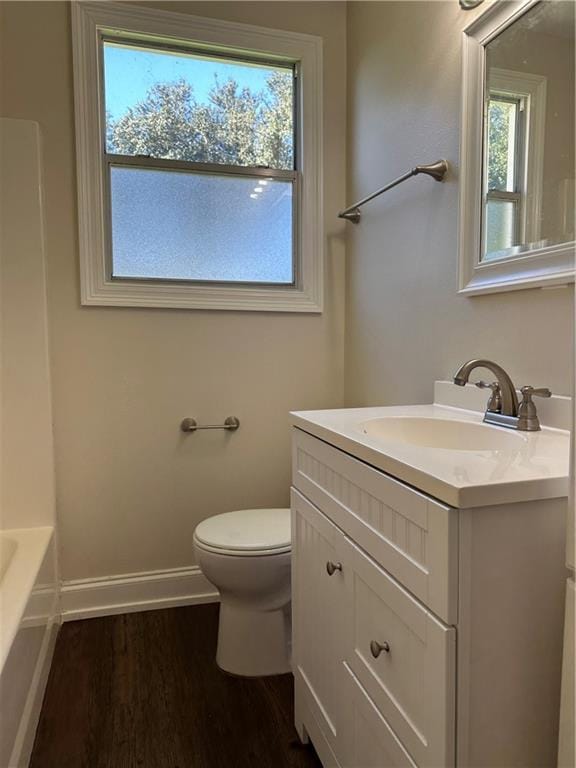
553	265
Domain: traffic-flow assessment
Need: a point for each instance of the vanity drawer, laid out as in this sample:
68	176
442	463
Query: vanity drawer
413	536
403	656
370	742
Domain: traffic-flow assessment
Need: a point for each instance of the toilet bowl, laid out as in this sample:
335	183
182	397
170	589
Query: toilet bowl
246	555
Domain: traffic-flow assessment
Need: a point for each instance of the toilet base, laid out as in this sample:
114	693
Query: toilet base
253	643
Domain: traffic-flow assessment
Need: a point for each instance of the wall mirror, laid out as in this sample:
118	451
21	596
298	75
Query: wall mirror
517	202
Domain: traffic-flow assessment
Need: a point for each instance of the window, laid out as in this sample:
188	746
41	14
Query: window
516	105
505	193
198	161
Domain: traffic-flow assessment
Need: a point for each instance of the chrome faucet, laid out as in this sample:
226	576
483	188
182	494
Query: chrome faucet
503	408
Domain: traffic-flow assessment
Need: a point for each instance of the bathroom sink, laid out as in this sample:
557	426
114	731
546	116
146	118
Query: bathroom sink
445	450
448	434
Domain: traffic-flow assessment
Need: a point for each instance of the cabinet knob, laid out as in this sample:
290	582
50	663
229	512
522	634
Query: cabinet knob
333	567
376	648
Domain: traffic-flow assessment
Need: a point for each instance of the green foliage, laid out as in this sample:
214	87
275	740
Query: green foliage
500	114
234	127
275	135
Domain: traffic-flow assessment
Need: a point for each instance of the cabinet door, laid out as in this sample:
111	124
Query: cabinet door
403	657
318	601
370	743
566	745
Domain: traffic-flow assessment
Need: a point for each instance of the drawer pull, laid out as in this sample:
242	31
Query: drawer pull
376	648
333	567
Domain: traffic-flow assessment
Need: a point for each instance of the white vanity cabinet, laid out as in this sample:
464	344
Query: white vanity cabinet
415	638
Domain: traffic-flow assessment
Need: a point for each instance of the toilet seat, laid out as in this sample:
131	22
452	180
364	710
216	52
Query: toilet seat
246	533
242	552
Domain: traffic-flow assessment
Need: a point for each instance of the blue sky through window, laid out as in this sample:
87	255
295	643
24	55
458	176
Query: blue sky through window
130	72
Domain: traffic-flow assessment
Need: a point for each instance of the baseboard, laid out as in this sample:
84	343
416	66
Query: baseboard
132	592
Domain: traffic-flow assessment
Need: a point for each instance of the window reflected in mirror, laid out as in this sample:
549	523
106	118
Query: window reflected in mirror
528	169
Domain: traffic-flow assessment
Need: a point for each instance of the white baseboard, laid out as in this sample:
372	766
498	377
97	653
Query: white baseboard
132	592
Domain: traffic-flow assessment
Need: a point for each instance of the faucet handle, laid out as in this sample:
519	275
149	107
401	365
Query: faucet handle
495	401
528	392
527	416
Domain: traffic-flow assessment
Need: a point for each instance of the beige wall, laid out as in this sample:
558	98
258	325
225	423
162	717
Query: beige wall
130	487
26	442
406	325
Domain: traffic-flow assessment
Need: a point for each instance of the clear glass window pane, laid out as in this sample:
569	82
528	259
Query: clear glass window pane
500	226
502	119
184	106
195	226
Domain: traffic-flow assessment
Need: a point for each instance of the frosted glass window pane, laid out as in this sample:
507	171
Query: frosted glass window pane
196	226
500	215
199	108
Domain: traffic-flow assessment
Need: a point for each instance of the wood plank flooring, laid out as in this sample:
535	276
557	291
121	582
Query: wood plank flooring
142	690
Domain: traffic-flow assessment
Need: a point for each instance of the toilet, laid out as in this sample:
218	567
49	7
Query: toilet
246	555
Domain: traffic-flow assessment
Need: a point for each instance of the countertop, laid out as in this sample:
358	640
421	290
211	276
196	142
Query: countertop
536	468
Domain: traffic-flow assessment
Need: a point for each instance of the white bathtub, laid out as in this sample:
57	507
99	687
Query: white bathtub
8	545
28	624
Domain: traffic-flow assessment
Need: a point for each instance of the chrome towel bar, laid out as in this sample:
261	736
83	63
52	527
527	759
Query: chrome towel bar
191	425
437	170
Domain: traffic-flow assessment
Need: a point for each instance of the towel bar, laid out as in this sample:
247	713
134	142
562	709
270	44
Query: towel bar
231	423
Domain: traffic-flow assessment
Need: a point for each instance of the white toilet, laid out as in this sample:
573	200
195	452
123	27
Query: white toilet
246	554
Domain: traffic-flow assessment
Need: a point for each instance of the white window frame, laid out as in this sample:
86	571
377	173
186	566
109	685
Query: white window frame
89	21
532	90
536	268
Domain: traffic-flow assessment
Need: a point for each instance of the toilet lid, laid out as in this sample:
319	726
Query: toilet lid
247	530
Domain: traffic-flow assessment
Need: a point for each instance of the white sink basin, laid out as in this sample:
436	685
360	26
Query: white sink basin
446	451
448	434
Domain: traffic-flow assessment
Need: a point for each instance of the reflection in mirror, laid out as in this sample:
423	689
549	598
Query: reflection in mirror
528	200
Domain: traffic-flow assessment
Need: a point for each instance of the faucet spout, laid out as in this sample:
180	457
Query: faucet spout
507	388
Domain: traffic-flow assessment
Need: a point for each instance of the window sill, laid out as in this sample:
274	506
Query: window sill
140	293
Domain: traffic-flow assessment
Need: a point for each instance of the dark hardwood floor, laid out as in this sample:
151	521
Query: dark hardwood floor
142	690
